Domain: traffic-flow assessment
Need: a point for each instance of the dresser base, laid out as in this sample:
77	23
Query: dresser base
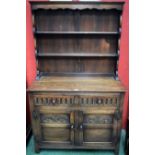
39	147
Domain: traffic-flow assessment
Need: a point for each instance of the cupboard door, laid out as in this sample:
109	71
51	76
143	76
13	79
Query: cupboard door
58	128
97	129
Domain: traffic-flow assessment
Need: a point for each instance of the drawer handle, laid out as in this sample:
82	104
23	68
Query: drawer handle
99	101
54	101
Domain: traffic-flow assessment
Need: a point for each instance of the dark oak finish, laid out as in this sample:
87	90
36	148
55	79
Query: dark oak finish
77	5
76	101
77	43
82	54
76	84
74	33
74	65
76	112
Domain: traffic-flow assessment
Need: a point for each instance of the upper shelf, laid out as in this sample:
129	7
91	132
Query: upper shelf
112	55
77	5
75	33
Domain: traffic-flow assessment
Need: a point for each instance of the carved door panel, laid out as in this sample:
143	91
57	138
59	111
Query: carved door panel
97	129
56	128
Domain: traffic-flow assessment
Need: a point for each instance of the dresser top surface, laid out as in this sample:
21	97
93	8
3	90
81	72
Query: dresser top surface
76	84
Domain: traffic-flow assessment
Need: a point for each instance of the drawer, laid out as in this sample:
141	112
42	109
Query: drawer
97	100
53	100
106	100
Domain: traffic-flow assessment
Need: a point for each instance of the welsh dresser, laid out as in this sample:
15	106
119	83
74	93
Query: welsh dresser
76	100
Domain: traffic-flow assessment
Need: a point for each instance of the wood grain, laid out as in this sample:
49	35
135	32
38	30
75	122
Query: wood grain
73	104
76	84
77	5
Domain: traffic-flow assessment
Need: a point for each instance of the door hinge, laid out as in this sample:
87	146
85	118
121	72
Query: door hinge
118	115
35	114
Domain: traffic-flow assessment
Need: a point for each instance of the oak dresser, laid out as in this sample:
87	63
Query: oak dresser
76	101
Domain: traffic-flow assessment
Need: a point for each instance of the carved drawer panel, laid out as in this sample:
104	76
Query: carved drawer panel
54	100
73	100
99	101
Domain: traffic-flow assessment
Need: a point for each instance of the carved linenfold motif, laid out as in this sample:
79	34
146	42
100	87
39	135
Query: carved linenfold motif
100	119
76	100
54	118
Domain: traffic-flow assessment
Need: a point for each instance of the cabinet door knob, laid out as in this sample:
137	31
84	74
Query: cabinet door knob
106	121
72	126
81	126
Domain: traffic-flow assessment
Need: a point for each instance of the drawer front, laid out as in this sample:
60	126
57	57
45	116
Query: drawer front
53	100
104	100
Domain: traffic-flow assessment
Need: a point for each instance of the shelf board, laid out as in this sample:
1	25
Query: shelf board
77	55
75	33
75	74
